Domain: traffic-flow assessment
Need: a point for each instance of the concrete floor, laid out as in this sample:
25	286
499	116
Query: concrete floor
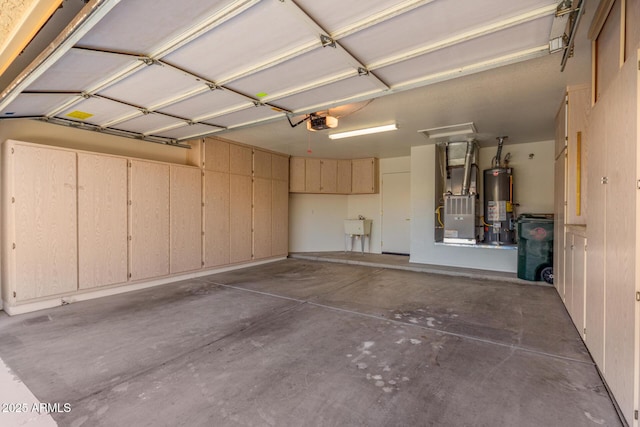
301	342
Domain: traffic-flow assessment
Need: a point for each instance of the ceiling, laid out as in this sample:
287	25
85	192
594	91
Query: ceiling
168	71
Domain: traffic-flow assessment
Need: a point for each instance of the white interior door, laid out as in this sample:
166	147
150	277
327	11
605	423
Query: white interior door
396	212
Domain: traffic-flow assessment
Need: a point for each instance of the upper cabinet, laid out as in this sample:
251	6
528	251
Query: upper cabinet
332	176
364	173
578	106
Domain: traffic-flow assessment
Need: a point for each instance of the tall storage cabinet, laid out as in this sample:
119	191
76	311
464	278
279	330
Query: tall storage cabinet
262	200
240	200
186	219
279	205
102	220
39	222
74	221
216	203
149	213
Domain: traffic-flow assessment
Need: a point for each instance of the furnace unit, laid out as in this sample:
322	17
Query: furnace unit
460	176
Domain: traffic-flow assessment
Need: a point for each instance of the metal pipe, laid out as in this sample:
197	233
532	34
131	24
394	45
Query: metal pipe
467	168
499	153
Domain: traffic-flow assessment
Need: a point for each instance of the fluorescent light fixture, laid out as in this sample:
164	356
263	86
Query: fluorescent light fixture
365	131
451	130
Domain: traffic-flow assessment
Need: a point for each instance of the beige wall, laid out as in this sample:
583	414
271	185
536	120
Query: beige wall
77	139
532	177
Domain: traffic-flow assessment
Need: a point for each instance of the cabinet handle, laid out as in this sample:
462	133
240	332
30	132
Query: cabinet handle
604	180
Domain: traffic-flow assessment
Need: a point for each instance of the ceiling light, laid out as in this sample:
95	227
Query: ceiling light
451	130
365	131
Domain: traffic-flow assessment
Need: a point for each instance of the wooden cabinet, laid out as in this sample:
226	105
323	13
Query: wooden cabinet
332	176
216	219
102	220
328	176
40	252
149	213
364	174
262	213
297	175
343	178
76	220
240	160
559	221
280	206
240	218
280	218
216	155
186	219
312	177
578	106
575	276
570	181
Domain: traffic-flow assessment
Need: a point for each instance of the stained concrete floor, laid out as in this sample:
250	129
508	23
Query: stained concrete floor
301	342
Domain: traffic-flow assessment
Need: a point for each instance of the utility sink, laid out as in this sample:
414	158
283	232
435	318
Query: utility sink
357	227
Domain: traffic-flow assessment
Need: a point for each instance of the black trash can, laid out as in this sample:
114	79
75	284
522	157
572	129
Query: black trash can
535	247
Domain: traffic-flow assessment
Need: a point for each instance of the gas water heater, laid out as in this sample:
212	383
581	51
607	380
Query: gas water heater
499	215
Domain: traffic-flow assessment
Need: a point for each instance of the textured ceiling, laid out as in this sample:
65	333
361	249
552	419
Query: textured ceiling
170	71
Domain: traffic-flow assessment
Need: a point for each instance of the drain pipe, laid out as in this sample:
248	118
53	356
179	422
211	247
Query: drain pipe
86	19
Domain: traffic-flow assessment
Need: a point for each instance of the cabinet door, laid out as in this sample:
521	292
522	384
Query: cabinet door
149	190
216	155
46	256
343	184
595	297
261	164
240	160
216	219
579	266
578	106
328	176
186	219
280	218
279	167
567	297
261	218
558	225
102	220
297	175
364	176
312	175
240	218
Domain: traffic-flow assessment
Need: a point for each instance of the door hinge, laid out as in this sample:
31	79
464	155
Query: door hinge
635	414
14	294
13	246
129	238
129	275
638	184
637	296
13	199
584	331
